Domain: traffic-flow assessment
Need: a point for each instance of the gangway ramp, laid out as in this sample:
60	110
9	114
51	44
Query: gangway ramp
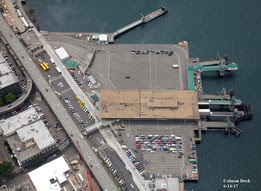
214	124
220	102
127	27
221	114
214	97
210	62
225	102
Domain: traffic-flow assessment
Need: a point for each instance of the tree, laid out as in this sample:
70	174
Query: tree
38	160
1	102
6	144
10	97
5	168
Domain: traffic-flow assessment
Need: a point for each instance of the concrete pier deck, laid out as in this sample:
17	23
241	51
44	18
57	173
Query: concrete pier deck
127	27
159	12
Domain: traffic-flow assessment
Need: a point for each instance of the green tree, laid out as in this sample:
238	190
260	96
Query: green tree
38	160
1	102
10	97
5	168
6	144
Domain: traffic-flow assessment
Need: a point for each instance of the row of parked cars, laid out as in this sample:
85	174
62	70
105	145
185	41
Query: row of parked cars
85	109
74	77
162	52
75	114
17	74
167	143
115	173
57	139
42	117
87	81
135	162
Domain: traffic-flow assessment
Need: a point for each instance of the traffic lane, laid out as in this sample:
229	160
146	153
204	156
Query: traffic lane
60	84
95	138
121	169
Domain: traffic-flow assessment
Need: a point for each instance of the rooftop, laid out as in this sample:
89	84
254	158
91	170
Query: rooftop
50	176
30	140
26	134
6	75
71	64
61	52
38	132
11	124
147	104
167	184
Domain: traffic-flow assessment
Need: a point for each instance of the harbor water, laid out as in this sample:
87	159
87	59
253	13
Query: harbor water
231	27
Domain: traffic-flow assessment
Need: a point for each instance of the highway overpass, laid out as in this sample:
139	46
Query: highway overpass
65	119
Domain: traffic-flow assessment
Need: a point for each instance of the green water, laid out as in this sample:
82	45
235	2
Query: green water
225	26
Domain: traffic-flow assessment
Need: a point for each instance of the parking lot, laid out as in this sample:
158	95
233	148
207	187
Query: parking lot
140	66
77	109
164	146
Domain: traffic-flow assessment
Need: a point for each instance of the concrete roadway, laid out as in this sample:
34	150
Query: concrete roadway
110	139
56	105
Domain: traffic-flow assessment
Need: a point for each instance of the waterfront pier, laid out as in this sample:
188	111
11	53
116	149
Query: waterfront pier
144	19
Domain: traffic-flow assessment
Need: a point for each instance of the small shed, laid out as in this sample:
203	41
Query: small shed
62	54
94	98
92	80
103	38
71	64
